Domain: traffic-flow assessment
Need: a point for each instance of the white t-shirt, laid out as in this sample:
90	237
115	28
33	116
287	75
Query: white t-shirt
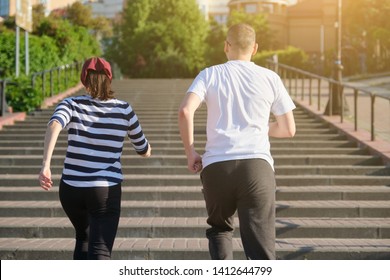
240	96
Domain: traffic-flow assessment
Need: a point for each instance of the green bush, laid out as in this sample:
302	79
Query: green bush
291	56
7	53
22	97
56	43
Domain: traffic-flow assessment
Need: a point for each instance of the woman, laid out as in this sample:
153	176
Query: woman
90	187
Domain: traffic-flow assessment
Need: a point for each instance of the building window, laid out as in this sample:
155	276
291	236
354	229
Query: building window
268	8
4	8
251	8
220	19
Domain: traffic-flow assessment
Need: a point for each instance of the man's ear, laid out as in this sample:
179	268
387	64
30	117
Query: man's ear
255	47
226	47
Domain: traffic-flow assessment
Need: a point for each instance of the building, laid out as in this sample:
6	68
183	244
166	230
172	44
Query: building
106	8
215	9
312	25
8	7
306	24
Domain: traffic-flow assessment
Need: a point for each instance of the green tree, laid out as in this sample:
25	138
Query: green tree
38	15
259	22
215	44
373	27
81	15
160	39
74	42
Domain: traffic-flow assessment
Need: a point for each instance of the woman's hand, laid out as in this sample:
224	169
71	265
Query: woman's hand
149	152
45	179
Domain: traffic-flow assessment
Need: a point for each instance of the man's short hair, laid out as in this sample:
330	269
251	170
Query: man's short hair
241	36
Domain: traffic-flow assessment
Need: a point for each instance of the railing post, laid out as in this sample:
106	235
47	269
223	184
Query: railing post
355	105
310	93
330	99
372	117
2	97
296	84
303	87
319	95
341	94
66	75
51	83
43	85
58	79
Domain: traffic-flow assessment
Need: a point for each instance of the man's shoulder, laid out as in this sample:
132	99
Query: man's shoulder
214	67
264	70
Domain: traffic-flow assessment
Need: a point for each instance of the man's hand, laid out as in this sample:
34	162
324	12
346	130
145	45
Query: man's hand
194	162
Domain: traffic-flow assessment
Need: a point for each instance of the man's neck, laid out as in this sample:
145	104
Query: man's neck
244	57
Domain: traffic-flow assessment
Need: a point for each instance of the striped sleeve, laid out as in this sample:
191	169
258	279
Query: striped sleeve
62	113
136	135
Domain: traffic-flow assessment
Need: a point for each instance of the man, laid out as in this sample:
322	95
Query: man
237	167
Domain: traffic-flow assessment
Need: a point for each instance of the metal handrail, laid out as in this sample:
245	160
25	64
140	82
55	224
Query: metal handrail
64	74
290	74
3	101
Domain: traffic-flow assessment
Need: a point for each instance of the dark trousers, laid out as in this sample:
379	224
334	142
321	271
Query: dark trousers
248	187
94	213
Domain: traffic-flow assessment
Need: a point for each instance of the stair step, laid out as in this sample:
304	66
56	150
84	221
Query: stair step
200	145
193	180
196	248
346	170
195	227
161	160
194	208
152	137
156	193
158	151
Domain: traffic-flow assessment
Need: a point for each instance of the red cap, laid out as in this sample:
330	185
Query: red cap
97	64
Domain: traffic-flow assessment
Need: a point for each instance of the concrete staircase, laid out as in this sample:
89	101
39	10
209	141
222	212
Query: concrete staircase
333	198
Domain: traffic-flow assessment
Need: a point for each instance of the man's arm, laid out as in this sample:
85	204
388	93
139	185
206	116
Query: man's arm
187	110
283	127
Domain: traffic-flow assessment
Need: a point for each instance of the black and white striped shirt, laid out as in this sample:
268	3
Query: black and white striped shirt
96	133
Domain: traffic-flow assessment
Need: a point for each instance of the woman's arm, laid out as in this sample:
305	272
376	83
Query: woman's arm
51	136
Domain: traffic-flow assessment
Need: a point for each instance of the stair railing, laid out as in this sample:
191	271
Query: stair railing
62	74
296	80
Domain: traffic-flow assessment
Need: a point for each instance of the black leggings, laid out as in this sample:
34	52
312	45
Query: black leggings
94	213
